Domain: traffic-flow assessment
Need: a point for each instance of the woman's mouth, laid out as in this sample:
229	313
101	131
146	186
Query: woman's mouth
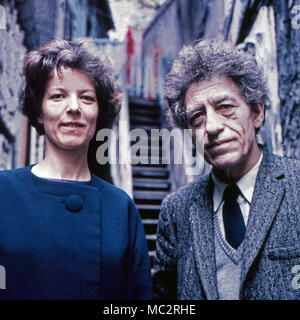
72	125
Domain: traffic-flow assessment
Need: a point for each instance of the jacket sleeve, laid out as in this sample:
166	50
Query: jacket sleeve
165	262
142	288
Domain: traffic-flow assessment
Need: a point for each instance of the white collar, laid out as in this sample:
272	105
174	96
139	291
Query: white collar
246	185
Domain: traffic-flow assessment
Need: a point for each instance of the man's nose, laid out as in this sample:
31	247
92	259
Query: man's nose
214	122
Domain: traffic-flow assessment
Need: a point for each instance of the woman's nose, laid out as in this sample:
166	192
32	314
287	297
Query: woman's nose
73	105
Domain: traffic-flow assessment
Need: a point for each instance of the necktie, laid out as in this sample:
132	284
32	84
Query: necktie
232	216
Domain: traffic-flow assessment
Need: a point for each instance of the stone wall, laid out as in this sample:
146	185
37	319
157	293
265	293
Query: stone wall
12	144
161	42
288	53
261	42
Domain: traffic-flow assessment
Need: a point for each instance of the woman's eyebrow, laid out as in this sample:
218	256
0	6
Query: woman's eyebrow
79	91
56	88
87	90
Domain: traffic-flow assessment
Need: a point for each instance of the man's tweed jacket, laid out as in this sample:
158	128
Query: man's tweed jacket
185	265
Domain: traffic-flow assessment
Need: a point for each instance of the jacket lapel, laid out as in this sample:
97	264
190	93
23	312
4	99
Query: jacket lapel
201	217
268	193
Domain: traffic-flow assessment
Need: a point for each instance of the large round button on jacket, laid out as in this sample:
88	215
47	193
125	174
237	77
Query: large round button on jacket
73	202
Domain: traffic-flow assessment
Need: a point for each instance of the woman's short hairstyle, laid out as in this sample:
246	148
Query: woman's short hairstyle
79	55
210	58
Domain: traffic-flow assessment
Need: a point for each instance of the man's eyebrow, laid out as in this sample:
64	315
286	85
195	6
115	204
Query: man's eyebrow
216	100
223	98
197	108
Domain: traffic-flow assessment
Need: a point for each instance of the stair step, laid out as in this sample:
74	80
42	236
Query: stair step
148	211
147	197
150	221
151	166
149	172
151	180
146	149
151	256
147	128
151	185
151	237
149	112
150	226
142	102
149	214
141	121
152	253
149	160
148	207
151	241
147	141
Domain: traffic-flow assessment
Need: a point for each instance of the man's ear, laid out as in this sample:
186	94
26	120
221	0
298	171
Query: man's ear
259	115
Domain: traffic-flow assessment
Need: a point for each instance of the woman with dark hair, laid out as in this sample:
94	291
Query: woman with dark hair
65	233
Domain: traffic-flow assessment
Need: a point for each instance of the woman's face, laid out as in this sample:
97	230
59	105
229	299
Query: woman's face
69	110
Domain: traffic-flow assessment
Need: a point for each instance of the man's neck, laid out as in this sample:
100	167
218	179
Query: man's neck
234	174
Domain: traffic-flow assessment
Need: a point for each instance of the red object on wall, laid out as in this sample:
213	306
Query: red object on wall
156	70
130	51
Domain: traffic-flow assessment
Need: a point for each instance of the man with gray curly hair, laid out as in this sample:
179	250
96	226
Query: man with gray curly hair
231	234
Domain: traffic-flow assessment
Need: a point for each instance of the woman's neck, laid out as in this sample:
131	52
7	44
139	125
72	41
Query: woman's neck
63	164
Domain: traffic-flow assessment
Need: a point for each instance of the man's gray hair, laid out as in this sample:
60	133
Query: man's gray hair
206	59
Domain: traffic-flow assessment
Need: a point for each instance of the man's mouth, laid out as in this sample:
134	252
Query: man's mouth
214	144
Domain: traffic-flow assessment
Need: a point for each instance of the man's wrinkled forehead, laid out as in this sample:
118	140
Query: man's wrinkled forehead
213	91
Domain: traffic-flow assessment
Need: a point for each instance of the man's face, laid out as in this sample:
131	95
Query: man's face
225	123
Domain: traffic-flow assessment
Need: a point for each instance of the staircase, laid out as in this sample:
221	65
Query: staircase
150	181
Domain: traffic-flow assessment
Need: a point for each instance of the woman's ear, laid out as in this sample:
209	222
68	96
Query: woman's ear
40	119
